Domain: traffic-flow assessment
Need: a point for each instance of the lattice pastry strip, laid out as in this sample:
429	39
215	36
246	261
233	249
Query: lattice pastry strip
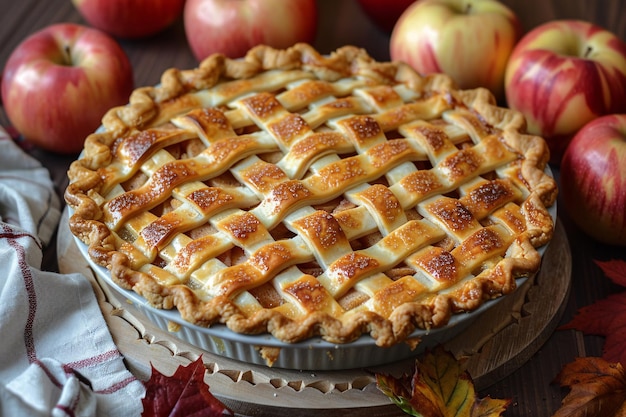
206	122
132	151
306	195
212	162
303	295
222	95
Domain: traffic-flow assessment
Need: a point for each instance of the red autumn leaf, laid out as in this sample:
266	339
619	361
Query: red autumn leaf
438	387
597	389
615	270
606	317
182	394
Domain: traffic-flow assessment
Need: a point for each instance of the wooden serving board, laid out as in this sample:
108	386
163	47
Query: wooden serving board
495	345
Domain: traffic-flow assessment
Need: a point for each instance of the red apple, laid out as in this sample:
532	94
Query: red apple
470	40
385	13
593	179
130	19
563	74
59	82
233	27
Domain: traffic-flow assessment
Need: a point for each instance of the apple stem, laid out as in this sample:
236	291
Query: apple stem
68	55
588	51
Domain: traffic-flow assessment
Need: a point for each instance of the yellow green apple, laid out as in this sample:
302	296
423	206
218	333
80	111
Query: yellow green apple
470	40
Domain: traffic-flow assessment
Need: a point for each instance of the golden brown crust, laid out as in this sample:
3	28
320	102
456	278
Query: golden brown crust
215	191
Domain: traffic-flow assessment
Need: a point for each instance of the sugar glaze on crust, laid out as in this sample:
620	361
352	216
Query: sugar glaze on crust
303	194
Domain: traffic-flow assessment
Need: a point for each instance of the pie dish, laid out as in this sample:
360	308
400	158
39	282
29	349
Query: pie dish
305	195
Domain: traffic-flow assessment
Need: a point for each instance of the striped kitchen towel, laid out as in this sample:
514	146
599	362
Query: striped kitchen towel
57	357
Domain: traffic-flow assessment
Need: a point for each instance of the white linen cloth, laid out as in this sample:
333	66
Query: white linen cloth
57	356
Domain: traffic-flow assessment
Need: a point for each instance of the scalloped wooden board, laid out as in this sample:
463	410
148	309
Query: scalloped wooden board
495	345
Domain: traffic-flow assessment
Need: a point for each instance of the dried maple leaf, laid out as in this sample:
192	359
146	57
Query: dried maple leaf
606	317
182	394
597	389
438	387
615	270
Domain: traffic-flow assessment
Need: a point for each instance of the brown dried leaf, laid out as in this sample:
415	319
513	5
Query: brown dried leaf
597	389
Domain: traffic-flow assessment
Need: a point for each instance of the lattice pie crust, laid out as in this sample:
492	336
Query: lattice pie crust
300	194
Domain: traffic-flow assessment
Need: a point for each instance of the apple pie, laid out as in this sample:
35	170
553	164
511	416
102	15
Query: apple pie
301	194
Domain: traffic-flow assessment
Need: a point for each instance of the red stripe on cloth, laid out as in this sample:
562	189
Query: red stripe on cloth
95	360
8	233
51	377
66	410
29	285
116	387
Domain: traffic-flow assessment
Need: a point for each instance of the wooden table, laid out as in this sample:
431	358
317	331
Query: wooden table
341	23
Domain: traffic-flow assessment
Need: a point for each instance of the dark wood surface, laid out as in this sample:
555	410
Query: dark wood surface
342	22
